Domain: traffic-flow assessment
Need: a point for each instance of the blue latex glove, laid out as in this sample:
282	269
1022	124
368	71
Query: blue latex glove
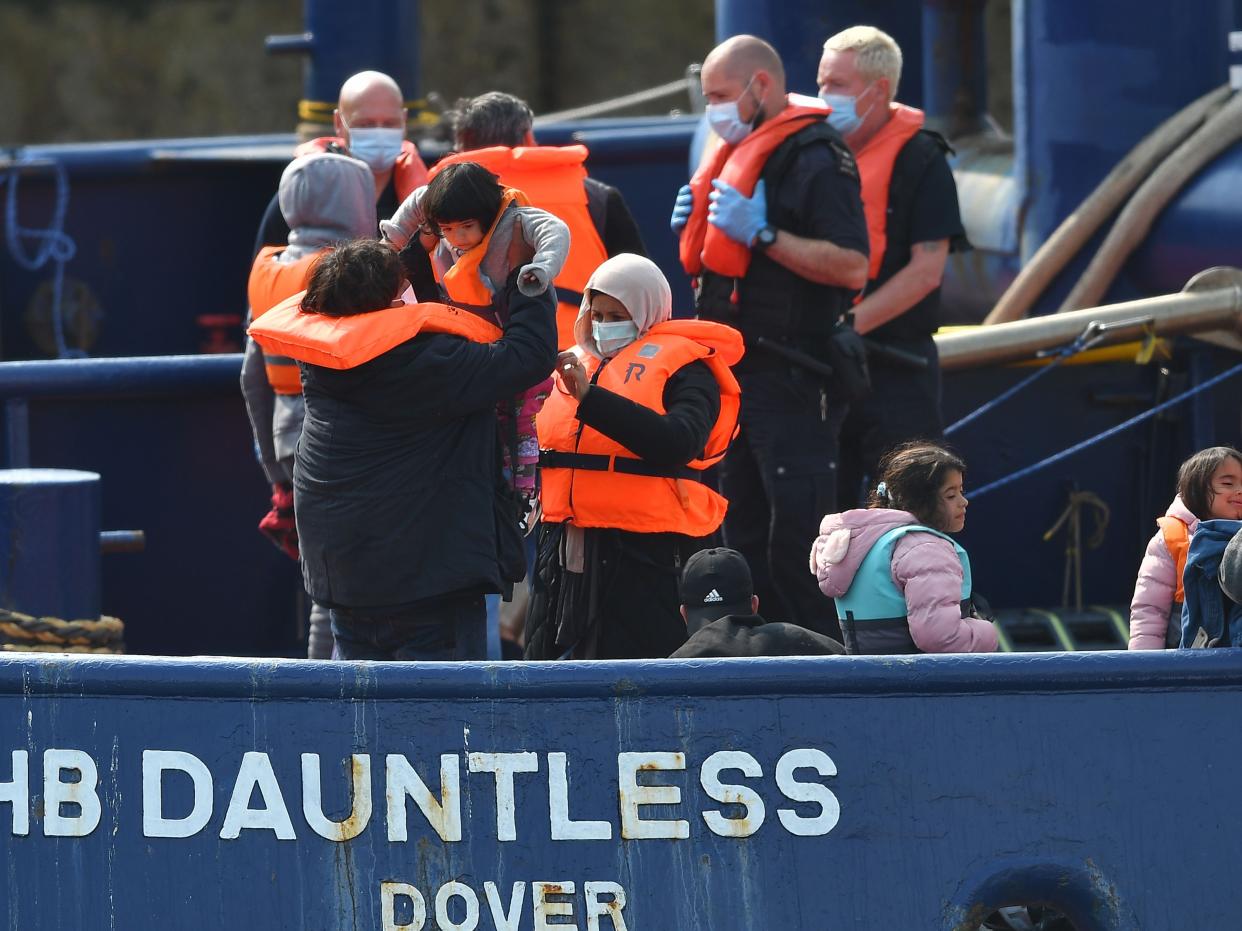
737	216
682	208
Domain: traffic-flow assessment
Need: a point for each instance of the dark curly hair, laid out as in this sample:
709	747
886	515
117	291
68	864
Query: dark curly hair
463	191
1194	478
911	476
355	277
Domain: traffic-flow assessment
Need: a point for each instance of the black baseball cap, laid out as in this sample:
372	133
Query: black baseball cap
715	583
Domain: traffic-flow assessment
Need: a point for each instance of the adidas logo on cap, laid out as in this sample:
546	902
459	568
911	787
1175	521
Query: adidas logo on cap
712	597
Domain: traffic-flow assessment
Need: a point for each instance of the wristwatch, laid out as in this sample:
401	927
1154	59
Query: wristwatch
765	237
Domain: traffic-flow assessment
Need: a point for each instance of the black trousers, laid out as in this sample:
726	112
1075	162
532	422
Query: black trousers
904	405
623	605
452	627
780	477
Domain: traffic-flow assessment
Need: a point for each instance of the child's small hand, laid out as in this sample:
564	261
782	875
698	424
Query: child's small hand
532	280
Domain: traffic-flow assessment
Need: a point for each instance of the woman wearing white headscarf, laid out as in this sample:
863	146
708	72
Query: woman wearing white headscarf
642	406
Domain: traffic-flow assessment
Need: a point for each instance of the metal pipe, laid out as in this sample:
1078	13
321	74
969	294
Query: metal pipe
1190	311
955	66
122	541
143	376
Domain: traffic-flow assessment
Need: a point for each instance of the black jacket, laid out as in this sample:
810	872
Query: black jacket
750	635
398	470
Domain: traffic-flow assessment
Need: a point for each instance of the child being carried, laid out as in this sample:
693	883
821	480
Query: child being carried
480	234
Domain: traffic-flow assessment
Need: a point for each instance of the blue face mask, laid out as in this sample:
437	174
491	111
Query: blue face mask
378	146
611	338
725	121
844	117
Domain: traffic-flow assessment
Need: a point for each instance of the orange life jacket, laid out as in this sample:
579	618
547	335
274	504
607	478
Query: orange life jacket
594	481
703	245
408	171
552	178
875	170
347	342
270	283
463	282
1177	542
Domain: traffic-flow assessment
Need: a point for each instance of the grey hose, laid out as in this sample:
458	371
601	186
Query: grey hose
1221	130
1076	229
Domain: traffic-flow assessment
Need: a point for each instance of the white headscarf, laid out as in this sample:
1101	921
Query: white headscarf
637	283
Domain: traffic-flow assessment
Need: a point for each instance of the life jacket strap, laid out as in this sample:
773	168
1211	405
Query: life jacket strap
592	462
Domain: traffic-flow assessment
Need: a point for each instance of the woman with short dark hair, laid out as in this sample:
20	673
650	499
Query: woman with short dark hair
403	512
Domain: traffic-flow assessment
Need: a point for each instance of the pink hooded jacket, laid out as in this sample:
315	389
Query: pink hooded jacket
925	568
1155	586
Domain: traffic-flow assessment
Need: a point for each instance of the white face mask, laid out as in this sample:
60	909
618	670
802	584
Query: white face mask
725	121
845	117
378	146
611	338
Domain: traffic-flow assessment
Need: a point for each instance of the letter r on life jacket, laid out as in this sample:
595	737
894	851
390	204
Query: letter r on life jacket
636	369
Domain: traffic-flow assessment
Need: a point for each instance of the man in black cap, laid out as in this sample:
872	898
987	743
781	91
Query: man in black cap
721	608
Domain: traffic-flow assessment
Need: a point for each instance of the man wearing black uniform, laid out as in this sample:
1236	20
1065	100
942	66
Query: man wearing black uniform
721	609
772	228
913	221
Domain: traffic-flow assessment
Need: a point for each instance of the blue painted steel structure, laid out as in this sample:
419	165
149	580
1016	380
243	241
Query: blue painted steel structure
49	542
926	790
341	39
170	437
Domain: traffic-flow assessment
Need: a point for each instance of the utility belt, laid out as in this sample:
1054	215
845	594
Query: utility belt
623	465
803	313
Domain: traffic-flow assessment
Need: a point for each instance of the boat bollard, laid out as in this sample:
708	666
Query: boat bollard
50	543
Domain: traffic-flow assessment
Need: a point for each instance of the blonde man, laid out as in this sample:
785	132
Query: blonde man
913	223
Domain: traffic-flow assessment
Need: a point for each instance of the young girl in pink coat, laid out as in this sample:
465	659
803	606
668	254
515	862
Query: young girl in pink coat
900	583
1209	487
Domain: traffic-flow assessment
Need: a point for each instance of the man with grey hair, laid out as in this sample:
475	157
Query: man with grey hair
499	119
496	130
913	223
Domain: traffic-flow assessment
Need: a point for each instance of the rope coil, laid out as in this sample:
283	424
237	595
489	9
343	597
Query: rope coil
23	632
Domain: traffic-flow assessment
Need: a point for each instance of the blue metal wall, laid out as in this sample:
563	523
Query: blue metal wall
919	790
171	441
162	237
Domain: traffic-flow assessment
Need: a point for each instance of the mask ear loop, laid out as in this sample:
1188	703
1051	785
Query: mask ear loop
759	114
863	118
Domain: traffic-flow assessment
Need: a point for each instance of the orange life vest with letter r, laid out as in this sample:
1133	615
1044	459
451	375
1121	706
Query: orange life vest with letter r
875	171
552	178
347	342
594	481
270	283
